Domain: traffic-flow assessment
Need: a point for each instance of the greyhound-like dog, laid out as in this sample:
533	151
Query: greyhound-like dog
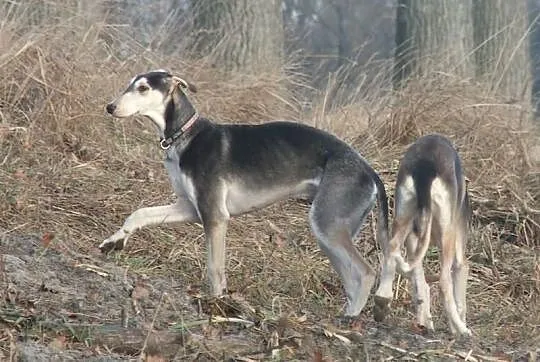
431	204
218	171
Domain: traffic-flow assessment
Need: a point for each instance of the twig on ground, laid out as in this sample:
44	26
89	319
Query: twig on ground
93	268
215	319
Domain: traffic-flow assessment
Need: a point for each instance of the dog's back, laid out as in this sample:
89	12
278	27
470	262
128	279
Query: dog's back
267	154
433	157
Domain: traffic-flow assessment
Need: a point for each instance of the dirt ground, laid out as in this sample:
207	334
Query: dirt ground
59	305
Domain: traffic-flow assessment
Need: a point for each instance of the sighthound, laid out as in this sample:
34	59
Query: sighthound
431	205
218	171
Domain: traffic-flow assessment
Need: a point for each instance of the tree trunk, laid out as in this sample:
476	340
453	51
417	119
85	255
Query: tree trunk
244	35
432	35
502	47
534	51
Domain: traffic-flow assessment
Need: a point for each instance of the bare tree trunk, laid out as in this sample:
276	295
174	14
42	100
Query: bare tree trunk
343	44
534	51
244	35
502	46
432	35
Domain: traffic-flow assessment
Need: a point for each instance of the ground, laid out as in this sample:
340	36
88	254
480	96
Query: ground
62	305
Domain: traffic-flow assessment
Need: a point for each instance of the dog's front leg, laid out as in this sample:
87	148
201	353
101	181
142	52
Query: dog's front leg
215	231
182	211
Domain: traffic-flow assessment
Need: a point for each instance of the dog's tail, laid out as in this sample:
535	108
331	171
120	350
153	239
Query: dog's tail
382	219
424	222
423	177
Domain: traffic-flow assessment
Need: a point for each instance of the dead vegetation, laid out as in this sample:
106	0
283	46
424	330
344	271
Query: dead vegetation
70	175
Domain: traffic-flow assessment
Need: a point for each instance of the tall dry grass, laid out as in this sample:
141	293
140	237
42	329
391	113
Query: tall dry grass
61	156
496	140
68	169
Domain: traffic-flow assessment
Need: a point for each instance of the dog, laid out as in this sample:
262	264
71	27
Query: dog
219	171
431	205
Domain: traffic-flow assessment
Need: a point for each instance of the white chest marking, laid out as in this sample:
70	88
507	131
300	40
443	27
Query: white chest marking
182	184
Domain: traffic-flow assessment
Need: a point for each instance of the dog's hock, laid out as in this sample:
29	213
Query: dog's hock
404	267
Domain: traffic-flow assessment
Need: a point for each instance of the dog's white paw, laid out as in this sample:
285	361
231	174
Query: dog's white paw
461	332
115	242
466	332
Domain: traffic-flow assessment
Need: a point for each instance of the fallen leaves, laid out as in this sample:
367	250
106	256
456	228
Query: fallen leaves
46	239
419	329
59	342
278	235
19	174
140	292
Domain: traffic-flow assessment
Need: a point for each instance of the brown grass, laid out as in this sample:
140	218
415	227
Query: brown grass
67	169
494	139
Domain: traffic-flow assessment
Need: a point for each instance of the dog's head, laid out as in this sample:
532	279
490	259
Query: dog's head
147	94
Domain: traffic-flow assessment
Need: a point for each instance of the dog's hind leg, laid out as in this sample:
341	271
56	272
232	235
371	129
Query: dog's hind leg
384	293
457	325
355	273
181	211
336	214
450	235
404	210
420	288
460	273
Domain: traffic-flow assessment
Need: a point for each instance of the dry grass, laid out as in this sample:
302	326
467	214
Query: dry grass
67	169
494	139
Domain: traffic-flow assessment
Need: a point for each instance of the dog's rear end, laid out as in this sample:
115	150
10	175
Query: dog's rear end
431	206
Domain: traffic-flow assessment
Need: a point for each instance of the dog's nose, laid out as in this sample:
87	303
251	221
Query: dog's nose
110	108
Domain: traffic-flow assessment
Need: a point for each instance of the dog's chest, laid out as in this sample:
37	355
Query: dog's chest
181	183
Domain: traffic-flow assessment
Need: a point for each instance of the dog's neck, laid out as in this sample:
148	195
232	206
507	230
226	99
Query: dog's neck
180	116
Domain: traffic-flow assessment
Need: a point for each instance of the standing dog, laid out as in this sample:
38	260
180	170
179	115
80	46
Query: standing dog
218	171
431	204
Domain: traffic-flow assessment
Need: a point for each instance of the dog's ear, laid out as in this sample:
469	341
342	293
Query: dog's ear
184	84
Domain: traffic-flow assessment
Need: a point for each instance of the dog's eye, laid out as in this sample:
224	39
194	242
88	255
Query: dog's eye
142	88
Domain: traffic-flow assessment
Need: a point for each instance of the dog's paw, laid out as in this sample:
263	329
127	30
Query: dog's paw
381	308
422	329
346	321
460	332
466	333
111	244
